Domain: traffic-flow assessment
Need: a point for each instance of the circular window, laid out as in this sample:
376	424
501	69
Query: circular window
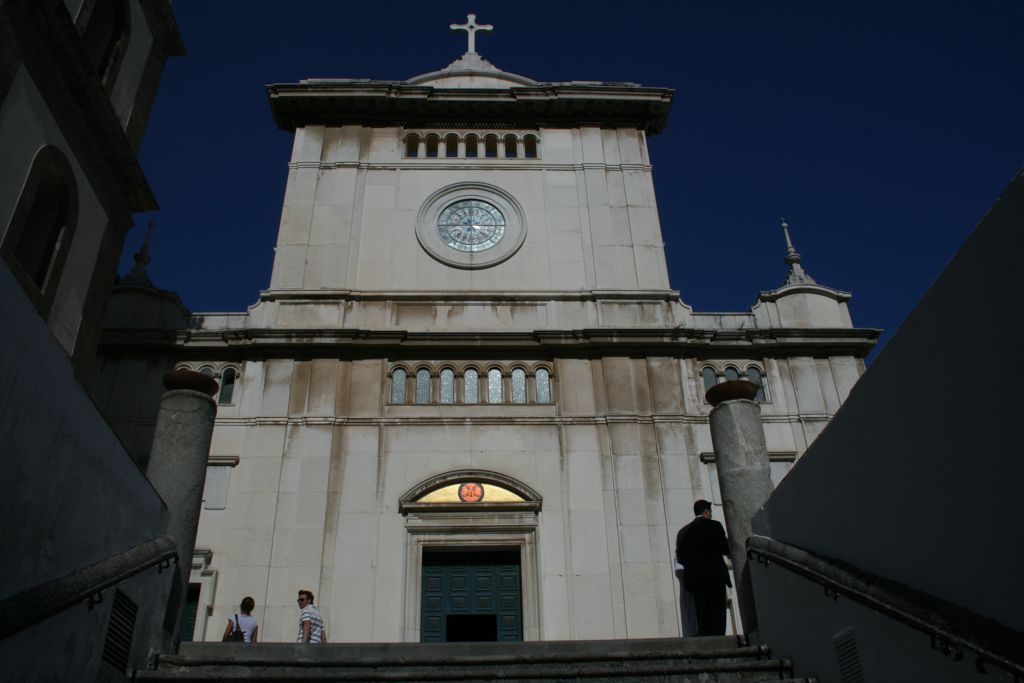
471	225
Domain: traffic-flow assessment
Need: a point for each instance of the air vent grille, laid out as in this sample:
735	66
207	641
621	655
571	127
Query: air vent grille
848	656
118	646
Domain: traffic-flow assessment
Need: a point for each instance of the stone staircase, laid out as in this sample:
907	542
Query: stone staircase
675	660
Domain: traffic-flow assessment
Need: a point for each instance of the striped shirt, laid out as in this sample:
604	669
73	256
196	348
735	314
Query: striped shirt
316	625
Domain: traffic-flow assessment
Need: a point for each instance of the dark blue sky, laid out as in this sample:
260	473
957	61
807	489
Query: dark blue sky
882	131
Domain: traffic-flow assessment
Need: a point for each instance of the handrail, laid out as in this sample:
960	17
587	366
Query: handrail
33	605
953	629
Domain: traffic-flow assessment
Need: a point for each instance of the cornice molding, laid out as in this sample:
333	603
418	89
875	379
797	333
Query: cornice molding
383	103
395	344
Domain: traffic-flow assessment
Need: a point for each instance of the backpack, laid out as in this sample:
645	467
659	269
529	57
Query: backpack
236	634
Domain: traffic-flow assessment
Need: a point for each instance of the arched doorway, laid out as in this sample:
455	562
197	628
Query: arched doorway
472	558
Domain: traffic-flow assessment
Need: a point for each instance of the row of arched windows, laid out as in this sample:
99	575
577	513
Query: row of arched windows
470	385
227	376
472	146
712	376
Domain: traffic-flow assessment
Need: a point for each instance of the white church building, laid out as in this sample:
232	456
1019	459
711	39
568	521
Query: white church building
469	404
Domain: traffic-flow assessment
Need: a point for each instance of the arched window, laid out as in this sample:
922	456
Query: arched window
491	146
39	235
471	386
227	386
447	385
543	379
494	385
423	385
471	143
755	375
206	370
398	377
709	376
731	374
412	145
530	147
518	385
106	37
451	145
432	143
511	146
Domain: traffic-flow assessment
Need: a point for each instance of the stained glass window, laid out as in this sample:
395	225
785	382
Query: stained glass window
494	385
543	385
447	385
398	385
471	386
423	385
519	385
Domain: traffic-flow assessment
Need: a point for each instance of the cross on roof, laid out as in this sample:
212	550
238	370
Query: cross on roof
471	27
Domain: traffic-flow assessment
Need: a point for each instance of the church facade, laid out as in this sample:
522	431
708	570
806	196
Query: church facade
469	404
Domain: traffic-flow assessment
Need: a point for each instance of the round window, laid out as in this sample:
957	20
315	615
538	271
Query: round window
471	225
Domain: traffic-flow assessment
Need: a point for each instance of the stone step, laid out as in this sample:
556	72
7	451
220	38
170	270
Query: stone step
691	660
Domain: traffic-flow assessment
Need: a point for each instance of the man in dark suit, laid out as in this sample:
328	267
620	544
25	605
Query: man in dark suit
700	546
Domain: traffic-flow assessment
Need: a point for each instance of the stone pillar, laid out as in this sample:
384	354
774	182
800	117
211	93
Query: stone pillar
744	476
177	470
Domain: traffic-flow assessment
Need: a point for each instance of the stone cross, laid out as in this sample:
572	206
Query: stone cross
471	27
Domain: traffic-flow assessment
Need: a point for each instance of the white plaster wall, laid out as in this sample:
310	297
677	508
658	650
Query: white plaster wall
26	125
351	203
129	75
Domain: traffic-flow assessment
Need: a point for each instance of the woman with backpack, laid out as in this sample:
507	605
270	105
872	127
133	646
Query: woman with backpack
242	627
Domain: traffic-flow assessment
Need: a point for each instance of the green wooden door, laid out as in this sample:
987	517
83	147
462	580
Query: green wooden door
471	596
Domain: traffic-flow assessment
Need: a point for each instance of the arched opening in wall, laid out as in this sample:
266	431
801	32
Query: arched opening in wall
518	385
106	37
511	146
471	146
494	394
530	147
227	386
433	141
412	145
710	377
491	146
447	390
398	380
471	528
471	386
731	374
422	385
451	145
755	375
38	238
543	380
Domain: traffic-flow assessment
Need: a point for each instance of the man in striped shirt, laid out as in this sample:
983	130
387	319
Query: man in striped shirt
311	626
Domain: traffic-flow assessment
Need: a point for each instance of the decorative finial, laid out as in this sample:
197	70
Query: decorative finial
142	255
471	27
797	275
139	276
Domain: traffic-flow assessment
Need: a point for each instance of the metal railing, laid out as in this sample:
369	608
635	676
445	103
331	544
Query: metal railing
954	630
87	584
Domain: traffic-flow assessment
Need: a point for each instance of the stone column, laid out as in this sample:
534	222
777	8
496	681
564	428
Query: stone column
744	476
177	470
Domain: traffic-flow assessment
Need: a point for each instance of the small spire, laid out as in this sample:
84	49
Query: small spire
796	275
138	276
